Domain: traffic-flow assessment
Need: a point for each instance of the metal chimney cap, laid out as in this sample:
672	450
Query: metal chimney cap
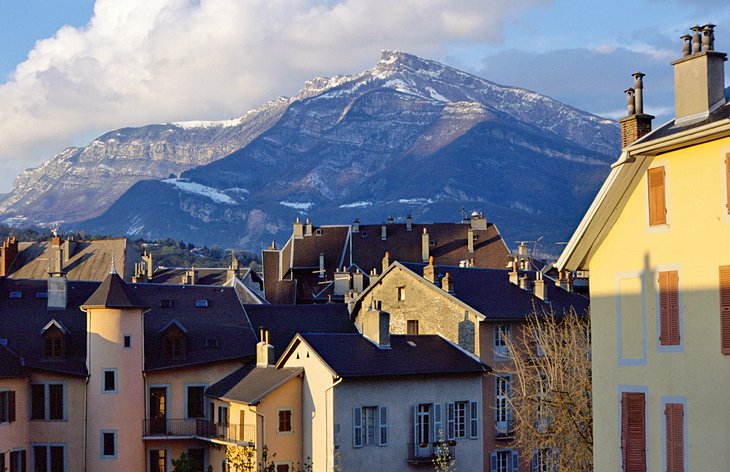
686	36
708	26
638	75
696	28
629	91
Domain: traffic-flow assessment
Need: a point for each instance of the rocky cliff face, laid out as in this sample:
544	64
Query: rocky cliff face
409	136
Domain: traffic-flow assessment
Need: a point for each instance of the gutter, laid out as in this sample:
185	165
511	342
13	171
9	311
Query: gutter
326	421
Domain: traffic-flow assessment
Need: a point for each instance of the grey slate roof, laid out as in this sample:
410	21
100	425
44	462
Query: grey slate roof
672	127
284	321
353	355
114	293
11	366
250	384
490	292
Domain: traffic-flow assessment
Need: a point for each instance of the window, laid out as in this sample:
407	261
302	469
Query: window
285	421
108	444
725	308
49	458
543	416
503	411
196	401
282	468
633	432
15	295
201	303
669	308
504	461
222	415
501	335
674	438
54	343
318	232
109	381
428	427
175	344
158	460
462	420
369	426
7	407
657	198
47	402
544	460
17	461
412	327
165	303
401	294
127	341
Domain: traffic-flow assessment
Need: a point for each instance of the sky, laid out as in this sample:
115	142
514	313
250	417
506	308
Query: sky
72	69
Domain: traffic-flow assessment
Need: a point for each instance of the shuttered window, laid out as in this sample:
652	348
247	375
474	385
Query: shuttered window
669	308
633	432
725	309
657	196
674	421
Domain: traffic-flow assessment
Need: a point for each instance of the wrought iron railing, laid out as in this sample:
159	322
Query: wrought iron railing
504	429
200	428
425	453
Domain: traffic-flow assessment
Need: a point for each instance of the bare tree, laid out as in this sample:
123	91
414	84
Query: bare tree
551	391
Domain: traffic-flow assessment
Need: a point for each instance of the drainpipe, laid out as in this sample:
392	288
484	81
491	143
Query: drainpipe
263	427
326	422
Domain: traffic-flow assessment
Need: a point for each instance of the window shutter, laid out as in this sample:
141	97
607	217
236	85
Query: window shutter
674	420
725	308
473	420
633	435
657	202
534	462
669	308
515	462
357	427
450	421
23	463
11	406
493	462
383	426
438	429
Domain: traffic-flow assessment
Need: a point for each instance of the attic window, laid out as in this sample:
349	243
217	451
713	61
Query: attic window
15	295
175	345
43	295
476	237
318	232
364	234
54	343
432	242
212	343
165	303
201	303
411	343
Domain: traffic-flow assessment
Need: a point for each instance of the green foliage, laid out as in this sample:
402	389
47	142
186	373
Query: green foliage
186	463
171	253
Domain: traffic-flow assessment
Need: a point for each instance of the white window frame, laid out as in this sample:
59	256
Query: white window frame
360	426
502	410
504	460
104	390
101	444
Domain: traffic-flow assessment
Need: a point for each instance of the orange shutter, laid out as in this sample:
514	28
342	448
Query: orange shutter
674	420
669	308
725	309
657	203
633	432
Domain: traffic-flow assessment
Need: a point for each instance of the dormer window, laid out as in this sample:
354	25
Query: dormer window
201	303
174	337
318	232
54	340
15	295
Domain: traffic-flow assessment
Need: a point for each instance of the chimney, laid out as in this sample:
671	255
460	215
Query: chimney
447	284
8	253
409	223
523	257
264	350
147	258
374	276
69	246
57	291
478	221
470	239
514	276
298	231
356	225
383	233
565	281
541	288
376	326
358	281
385	262
232	271
429	272
390	220
636	124
425	245
342	281
190	276
321	265
526	283
308	228
56	257
699	76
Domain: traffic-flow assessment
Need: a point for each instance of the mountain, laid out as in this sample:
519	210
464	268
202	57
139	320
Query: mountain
408	136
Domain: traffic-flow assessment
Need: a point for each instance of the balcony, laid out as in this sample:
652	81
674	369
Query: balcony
504	430
199	428
425	453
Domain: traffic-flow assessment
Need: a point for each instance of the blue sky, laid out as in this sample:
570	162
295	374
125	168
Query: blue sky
72	69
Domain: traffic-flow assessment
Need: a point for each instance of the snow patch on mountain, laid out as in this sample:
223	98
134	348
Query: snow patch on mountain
206	124
297	205
363	204
198	189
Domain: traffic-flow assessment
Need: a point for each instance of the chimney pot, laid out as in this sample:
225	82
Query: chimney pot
425	245
409	223
708	37
429	272
686	45
630	101
696	39
390	220
264	350
356	225
470	239
639	92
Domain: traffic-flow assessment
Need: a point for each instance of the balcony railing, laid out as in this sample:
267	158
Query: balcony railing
425	453
504	429
199	428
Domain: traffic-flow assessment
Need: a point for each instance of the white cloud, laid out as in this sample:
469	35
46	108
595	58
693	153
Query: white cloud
141	61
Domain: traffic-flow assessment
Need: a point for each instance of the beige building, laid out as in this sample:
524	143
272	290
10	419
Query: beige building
660	279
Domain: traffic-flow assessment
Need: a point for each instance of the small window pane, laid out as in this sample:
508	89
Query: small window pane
38	402
196	399
55	401
110	384
127	341
285	420
109	446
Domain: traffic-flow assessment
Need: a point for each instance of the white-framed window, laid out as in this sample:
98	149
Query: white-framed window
109	381
7	406
369	426
158	460
462	420
502	410
545	460
108	444
505	460
47	401
48	457
18	460
501	335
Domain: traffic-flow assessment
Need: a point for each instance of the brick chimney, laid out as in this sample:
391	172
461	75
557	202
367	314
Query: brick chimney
429	272
699	76
425	245
636	124
8	253
386	261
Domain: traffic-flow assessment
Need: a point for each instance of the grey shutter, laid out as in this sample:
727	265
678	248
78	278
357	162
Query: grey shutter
493	462
383	426
515	462
450	420
473	420
357	427
438	429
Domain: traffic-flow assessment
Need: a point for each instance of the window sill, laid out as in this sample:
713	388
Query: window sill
657	229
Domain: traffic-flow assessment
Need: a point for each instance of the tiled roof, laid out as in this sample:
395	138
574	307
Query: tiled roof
11	366
250	384
490	292
90	260
113	293
353	355
284	321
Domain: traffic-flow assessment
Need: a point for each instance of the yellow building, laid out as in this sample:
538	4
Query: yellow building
653	241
